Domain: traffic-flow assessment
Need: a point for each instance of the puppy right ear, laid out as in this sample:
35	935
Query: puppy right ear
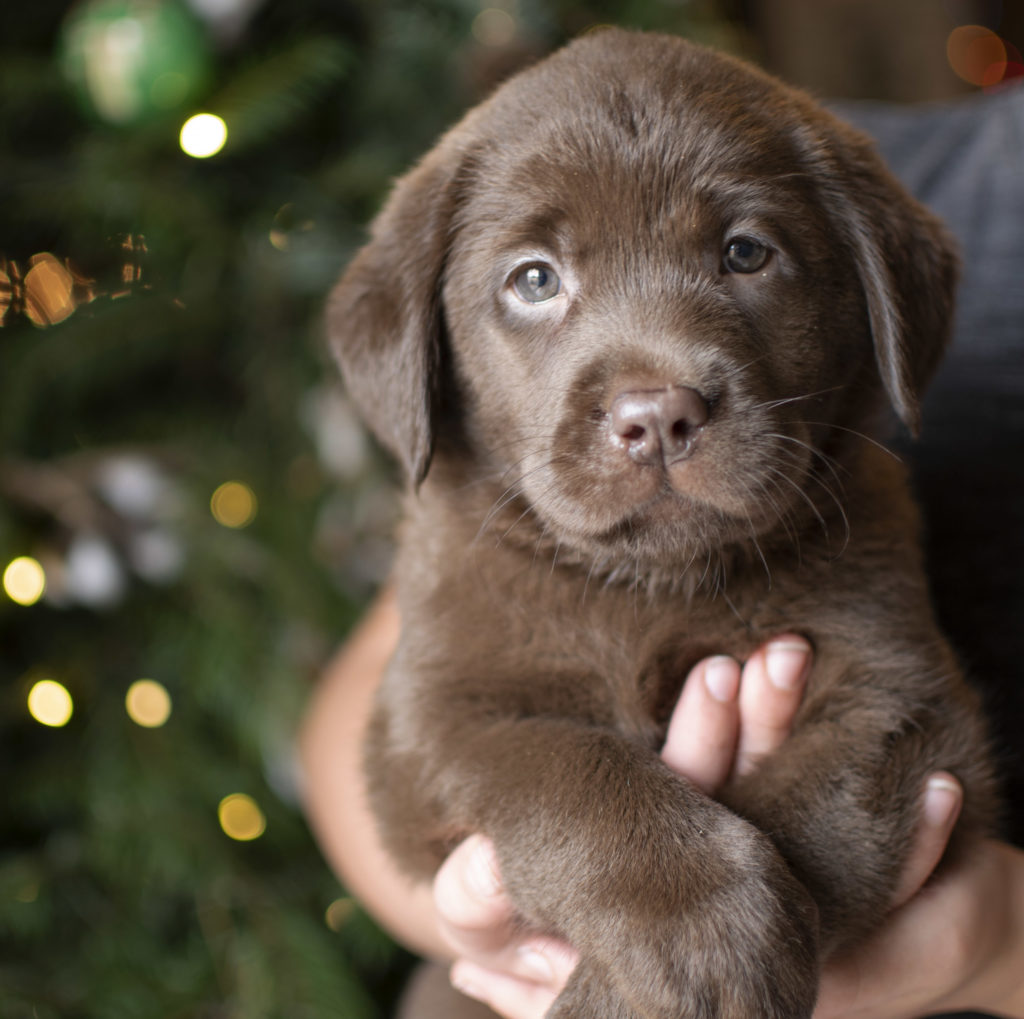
384	316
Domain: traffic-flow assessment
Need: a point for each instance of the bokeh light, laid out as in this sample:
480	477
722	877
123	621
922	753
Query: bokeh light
233	504
24	580
289	223
338	912
49	703
132	59
203	135
28	892
977	55
148	703
494	27
241	817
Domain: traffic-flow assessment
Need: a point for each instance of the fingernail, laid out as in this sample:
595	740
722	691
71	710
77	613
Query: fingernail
942	799
481	873
722	678
536	965
786	663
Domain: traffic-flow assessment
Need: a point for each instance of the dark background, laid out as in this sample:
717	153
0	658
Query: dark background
160	334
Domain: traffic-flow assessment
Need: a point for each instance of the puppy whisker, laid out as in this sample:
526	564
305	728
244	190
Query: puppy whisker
827	462
776	472
783	514
784	401
514	489
759	550
833	469
860	435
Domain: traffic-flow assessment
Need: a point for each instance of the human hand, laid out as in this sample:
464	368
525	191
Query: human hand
955	944
725	720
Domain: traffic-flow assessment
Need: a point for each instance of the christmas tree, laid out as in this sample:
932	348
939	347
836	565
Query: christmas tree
190	515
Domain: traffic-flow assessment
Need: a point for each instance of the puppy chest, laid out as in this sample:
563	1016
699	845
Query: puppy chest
612	656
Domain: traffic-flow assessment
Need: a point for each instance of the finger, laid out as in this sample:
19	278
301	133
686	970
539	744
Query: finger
479	924
927	949
509	996
770	693
475	917
521	984
940	808
701	739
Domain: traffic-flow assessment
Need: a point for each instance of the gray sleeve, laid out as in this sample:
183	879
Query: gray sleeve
966	161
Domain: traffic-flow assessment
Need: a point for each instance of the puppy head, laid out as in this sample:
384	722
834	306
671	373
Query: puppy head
662	285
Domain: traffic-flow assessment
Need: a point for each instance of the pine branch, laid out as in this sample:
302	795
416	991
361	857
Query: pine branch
266	99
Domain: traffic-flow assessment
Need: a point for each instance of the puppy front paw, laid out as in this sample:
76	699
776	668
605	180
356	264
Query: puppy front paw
743	947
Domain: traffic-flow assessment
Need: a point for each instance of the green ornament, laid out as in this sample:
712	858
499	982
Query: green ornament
133	59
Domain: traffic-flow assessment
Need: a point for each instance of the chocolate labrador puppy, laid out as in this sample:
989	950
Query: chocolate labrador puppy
629	328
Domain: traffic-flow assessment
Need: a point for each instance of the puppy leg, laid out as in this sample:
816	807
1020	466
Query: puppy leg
677	906
841	798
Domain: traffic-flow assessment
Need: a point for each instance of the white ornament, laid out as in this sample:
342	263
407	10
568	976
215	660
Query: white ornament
93	574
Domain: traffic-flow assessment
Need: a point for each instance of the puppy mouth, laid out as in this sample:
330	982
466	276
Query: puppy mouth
662	497
652	481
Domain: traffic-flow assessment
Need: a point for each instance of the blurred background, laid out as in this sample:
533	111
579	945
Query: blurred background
190	516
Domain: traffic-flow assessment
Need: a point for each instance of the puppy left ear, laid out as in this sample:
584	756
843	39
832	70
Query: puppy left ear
384	316
908	266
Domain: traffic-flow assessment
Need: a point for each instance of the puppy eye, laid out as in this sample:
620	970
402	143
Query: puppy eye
537	283
745	255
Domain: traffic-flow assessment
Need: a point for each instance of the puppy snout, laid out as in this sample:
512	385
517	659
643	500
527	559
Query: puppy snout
658	426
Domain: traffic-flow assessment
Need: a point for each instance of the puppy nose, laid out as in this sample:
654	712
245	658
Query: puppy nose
658	425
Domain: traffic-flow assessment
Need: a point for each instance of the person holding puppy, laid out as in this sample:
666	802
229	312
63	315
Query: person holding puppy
957	942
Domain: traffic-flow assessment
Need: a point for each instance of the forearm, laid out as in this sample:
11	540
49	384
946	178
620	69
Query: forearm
335	795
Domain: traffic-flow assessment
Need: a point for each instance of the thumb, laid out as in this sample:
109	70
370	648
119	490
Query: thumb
474	914
940	808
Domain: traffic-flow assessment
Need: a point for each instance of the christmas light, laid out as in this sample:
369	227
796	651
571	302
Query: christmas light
49	703
148	703
233	504
24	580
241	817
203	135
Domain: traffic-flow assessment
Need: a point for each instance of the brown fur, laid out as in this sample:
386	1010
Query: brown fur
555	591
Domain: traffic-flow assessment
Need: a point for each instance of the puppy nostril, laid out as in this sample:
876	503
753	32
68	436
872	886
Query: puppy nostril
658	426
